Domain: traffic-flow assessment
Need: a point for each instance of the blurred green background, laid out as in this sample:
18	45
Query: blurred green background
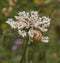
38	52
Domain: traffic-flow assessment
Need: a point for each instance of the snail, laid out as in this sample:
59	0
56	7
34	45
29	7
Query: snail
37	35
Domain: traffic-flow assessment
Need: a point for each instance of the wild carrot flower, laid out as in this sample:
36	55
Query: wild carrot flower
27	22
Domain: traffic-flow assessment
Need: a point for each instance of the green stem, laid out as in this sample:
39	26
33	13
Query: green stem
26	46
27	55
1	39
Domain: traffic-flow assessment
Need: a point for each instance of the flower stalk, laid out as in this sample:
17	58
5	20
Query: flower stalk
25	52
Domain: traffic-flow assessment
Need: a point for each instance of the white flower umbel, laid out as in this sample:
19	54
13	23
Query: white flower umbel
30	21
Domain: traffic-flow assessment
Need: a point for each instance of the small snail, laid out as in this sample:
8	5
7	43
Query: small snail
37	35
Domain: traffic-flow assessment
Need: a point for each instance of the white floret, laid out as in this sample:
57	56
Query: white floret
45	39
31	32
22	33
21	25
12	23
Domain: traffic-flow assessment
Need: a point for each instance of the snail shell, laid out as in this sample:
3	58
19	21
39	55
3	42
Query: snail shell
37	35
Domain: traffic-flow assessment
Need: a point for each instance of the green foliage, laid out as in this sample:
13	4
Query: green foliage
38	52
